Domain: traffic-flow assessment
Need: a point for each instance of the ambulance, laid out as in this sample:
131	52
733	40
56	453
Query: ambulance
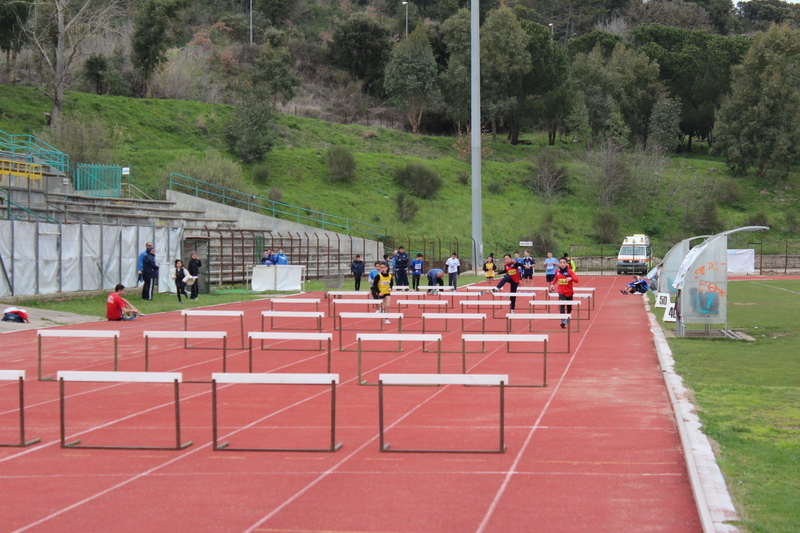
635	255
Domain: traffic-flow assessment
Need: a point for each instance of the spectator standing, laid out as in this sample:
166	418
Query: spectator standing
453	265
417	265
528	263
267	258
180	276
550	266
357	269
140	263
400	262
280	258
117	307
149	273
564	278
194	271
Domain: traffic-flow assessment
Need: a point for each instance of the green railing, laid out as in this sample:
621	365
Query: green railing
35	150
265	206
5	199
98	180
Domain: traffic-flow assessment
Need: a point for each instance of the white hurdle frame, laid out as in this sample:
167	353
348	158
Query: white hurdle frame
319	315
555	303
185	335
273	301
289	336
530	317
482	380
438	304
399	337
18	376
274	379
334	295
368	302
192	312
76	333
508	339
123	377
494	304
578	296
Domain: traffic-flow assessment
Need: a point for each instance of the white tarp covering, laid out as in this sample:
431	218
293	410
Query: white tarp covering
263	278
742	261
46	258
277	278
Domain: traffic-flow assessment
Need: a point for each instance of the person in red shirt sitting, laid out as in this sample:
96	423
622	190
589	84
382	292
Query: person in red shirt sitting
563	280
512	276
117	307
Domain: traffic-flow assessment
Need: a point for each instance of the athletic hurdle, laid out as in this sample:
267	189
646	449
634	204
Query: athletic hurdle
530	317
185	335
380	316
437	288
290	336
578	296
368	302
399	338
79	334
273	301
123	377
494	304
590	290
274	379
19	376
272	315
463	317
333	295
452	295
438	304
555	303
484	380
508	339
217	314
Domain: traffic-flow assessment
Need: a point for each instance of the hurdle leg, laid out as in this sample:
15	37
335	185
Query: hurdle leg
22	443
241	330
544	366
39	342
360	381
185	328
463	356
214	439
178	445
502	417
383	446
329	356
116	354
334	446
225	353
147	354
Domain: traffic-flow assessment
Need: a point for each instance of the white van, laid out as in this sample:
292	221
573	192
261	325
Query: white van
635	256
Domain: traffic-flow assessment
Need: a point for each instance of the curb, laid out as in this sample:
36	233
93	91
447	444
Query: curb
713	501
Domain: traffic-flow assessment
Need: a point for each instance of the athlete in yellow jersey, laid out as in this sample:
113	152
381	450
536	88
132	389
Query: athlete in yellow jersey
489	267
382	288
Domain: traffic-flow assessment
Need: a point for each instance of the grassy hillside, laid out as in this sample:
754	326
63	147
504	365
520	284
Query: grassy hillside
148	135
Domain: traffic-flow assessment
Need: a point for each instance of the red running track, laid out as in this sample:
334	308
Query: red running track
596	450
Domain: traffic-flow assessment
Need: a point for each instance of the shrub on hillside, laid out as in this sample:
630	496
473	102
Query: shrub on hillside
758	219
90	141
276	195
547	178
792	222
406	207
214	168
727	191
703	217
261	175
418	179
342	164
606	225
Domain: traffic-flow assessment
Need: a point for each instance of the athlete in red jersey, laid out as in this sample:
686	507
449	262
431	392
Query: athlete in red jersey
117	307
563	281
512	275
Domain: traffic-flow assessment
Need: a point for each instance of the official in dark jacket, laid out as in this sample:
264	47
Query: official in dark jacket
149	273
401	266
357	269
194	271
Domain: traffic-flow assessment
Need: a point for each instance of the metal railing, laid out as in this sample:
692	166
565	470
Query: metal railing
98	180
5	201
265	206
35	149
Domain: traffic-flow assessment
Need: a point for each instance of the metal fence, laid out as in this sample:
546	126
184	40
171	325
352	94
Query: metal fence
98	180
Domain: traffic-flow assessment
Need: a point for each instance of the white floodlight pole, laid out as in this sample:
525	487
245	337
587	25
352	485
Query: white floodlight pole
475	76
406	4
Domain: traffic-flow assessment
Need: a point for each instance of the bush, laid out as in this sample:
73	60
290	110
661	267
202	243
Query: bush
544	238
495	187
261	175
606	224
418	179
342	164
547	177
464	178
250	132
90	141
276	195
703	217
406	207
792	222
758	219
212	167
728	191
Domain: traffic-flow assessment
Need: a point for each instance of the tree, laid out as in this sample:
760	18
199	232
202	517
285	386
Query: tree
250	133
663	131
57	34
757	124
151	36
361	46
410	76
94	70
504	60
272	72
276	11
13	16
675	13
455	80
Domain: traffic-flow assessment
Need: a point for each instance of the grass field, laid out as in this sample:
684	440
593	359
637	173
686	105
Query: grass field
749	399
